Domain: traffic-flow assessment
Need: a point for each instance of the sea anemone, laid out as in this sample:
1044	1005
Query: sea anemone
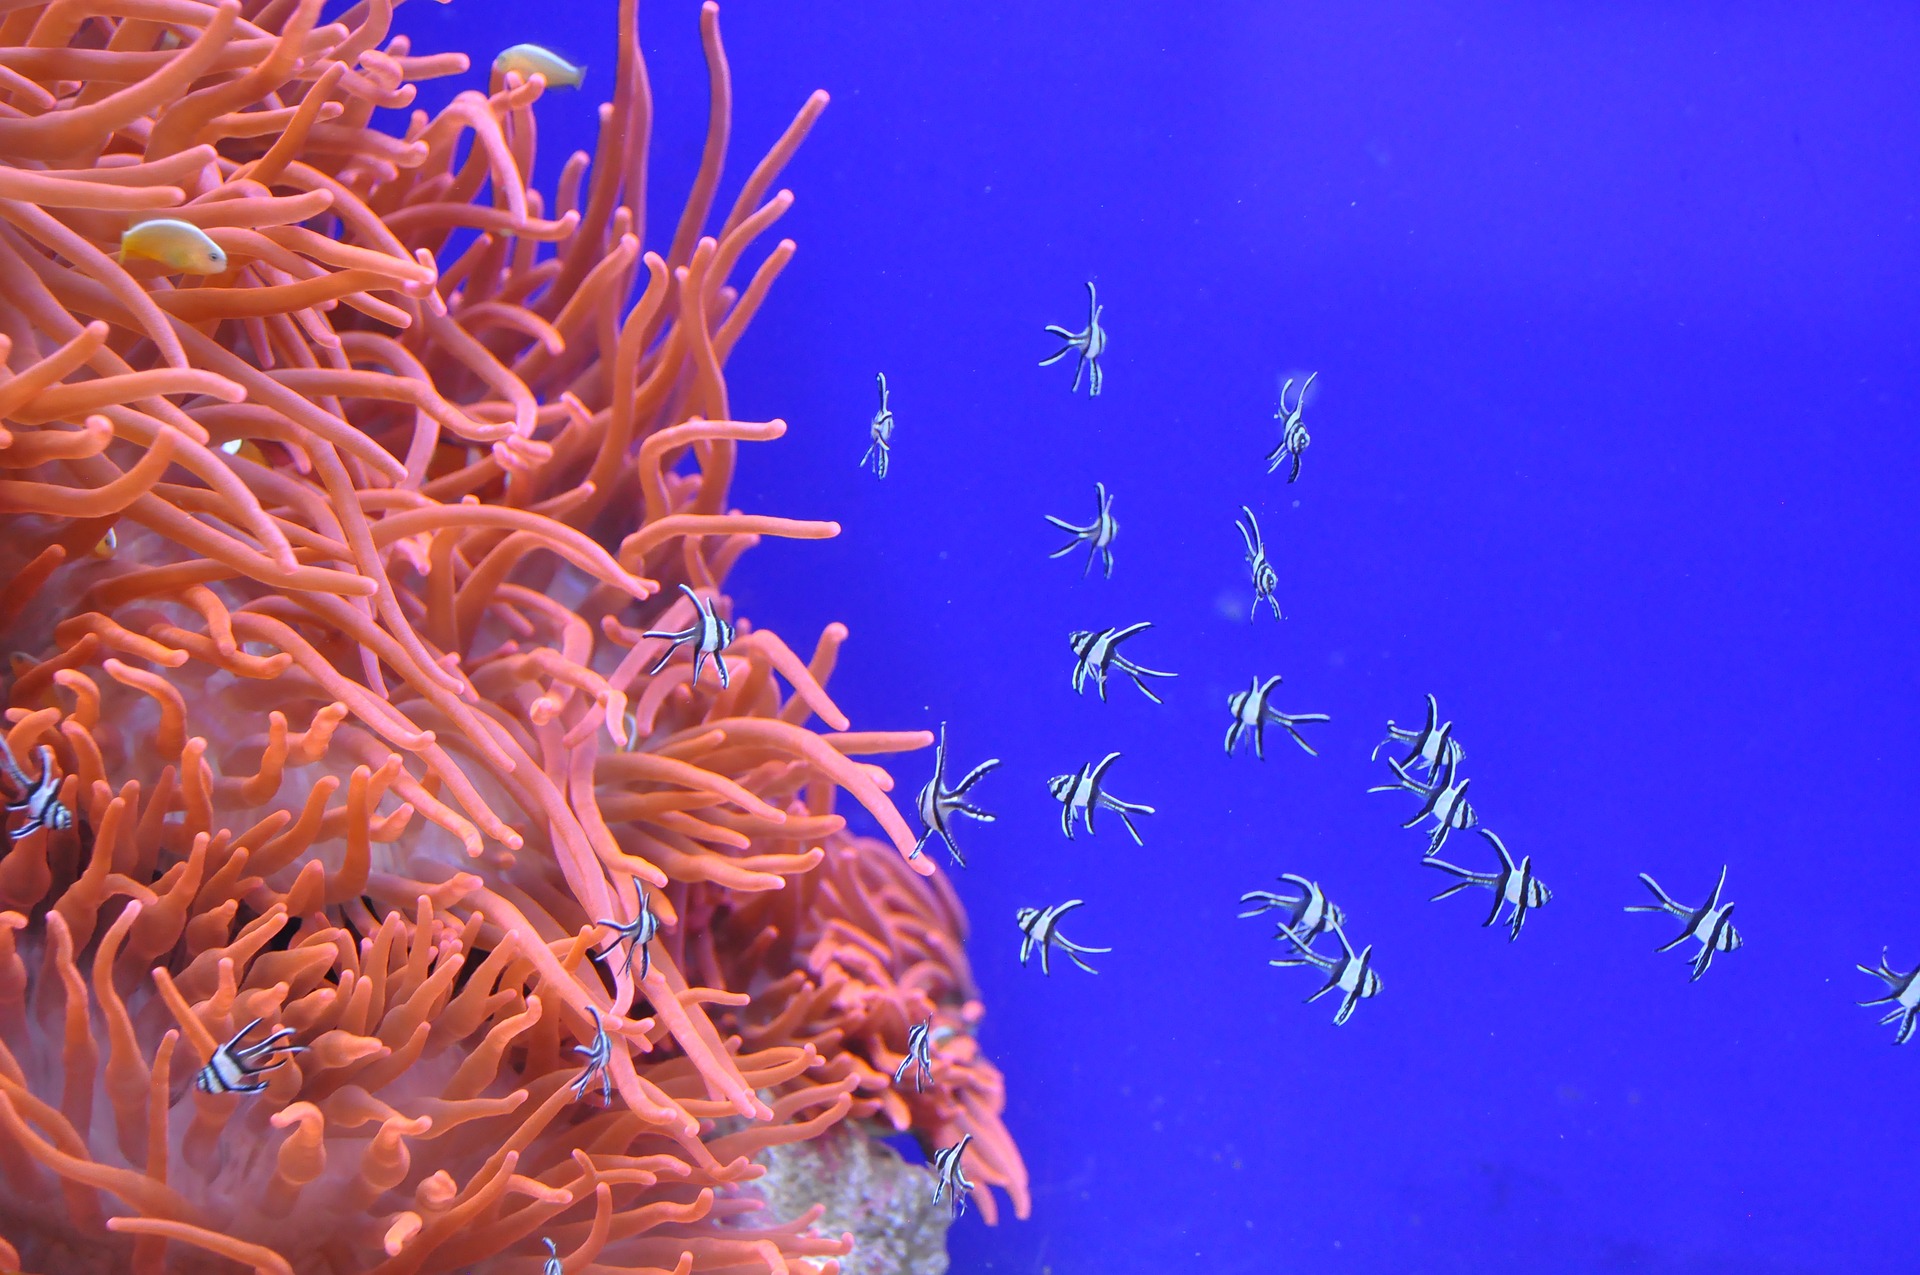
328	580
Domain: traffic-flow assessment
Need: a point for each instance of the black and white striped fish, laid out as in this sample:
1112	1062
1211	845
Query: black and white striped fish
1350	973
599	1054
1097	535
710	634
1097	654
937	803
1309	913
1514	885
919	1054
1265	579
39	798
637	933
949	1178
1253	708
1081	794
1293	434
1429	743
233	1066
1090	342
1441	799
1710	924
1040	927
1903	993
881	433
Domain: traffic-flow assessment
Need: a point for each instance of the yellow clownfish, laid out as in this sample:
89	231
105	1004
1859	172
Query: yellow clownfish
180	246
246	449
528	60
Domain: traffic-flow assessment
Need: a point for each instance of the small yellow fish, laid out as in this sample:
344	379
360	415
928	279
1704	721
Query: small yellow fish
180	246
108	543
246	449
528	60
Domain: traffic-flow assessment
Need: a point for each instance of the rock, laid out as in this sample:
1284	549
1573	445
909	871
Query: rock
868	1190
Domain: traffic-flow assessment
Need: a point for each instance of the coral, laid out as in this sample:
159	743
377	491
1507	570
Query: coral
326	580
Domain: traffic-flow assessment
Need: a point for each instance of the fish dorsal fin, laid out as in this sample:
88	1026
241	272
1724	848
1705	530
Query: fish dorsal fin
1499	848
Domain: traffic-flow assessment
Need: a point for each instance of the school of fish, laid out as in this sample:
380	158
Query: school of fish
1312	928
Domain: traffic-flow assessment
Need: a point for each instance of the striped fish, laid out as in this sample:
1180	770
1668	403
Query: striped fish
1293	434
919	1053
1442	800
1903	993
937	803
1090	342
39	798
1081	794
598	1053
1097	654
1253	708
1514	885
1710	924
1351	974
233	1066
637	933
709	633
1265	579
1309	914
949	1177
1097	535
881	433
1430	744
1040	927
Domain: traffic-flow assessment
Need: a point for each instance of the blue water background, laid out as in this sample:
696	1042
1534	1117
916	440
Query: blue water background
1614	450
